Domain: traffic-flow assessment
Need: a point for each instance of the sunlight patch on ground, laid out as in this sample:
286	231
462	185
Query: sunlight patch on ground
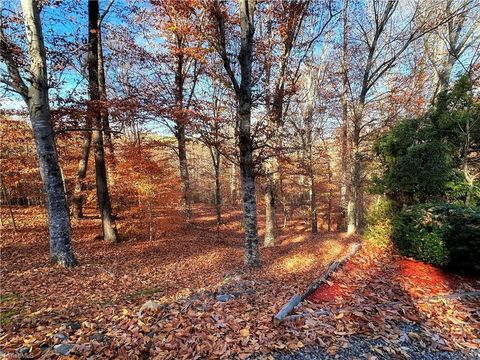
298	262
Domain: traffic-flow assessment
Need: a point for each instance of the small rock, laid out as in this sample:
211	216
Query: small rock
63	349
24	350
73	326
98	336
60	336
224	297
43	346
151	334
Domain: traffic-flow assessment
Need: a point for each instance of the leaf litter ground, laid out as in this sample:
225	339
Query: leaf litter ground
209	306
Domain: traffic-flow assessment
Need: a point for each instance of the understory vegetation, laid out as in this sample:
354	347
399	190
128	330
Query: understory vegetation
429	208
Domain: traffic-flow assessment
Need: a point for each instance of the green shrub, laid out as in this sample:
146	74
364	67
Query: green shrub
379	227
442	234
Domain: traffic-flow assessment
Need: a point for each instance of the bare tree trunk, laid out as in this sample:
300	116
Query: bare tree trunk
182	158
355	204
180	130
330	196
313	205
252	256
61	251
215	154
107	134
9	204
103	197
344	194
78	193
271	196
233	185
243	92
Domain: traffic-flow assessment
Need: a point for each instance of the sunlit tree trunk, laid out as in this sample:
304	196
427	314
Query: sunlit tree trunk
78	193
61	251
344	194
94	110
355	197
9	203
252	256
215	153
180	130
233	184
107	134
182	158
243	92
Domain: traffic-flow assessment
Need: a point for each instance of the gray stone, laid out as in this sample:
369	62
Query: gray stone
60	336
98	336
73	326
63	349
224	297
24	350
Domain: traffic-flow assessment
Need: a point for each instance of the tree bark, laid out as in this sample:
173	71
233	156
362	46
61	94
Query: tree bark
94	110
182	158
78	193
344	194
9	204
243	92
102	88
61	250
313	205
271	196
215	153
180	123
356	217
247	29
233	185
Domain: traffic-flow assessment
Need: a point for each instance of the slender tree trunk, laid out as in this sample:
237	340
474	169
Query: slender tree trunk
252	256
9	204
233	185
313	205
271	196
355	204
182	158
180	131
344	193
61	250
78	193
107	134
218	194
103	197
330	197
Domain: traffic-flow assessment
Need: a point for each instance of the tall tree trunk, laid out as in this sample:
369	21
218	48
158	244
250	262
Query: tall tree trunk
9	204
355	204
247	29
344	194
215	153
180	130
233	184
94	110
330	196
102	88
182	158
243	92
61	251
271	197
78	193
313	204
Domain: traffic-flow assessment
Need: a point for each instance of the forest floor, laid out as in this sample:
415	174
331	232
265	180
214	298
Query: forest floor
207	305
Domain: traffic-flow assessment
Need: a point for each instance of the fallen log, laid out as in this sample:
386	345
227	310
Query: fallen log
297	299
